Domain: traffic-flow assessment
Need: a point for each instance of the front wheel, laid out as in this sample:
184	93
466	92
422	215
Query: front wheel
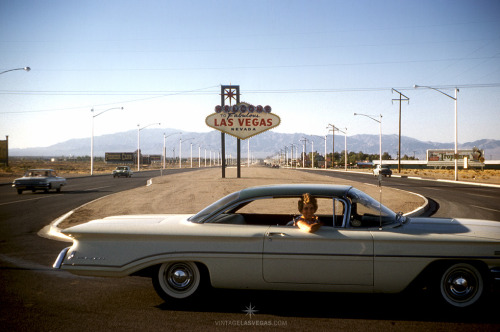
177	281
461	285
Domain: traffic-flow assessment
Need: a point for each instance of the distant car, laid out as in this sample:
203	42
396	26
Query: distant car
122	171
384	170
39	179
245	241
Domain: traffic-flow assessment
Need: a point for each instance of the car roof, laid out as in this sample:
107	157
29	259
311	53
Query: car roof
40	169
295	190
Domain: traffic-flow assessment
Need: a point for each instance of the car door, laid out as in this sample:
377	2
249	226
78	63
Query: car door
331	256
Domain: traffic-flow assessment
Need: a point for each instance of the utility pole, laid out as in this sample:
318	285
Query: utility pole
399	148
304	149
333	143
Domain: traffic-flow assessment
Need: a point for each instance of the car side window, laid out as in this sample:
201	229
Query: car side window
339	208
282	210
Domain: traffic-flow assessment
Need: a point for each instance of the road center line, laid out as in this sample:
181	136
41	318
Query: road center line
48	196
29	199
484	208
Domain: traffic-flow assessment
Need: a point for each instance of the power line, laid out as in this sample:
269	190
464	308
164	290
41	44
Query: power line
202	91
166	93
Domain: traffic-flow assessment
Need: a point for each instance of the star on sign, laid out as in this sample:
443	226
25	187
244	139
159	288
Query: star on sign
230	94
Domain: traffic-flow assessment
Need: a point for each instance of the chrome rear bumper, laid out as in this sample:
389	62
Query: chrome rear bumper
60	258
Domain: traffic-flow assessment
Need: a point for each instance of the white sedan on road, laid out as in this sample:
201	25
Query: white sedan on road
245	241
39	179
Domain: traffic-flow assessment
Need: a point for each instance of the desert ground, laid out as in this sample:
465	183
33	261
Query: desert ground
190	192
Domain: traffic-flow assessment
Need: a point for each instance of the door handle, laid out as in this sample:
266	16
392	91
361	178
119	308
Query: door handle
275	234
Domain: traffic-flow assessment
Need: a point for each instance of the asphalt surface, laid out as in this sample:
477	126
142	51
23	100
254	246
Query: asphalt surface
450	199
35	297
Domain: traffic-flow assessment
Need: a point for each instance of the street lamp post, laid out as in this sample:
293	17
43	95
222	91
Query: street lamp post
165	148
139	143
304	149
92	137
456	121
380	139
296	152
345	147
7	137
24	68
180	150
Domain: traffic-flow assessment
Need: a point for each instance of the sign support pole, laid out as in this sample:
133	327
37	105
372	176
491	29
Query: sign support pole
238	142
223	152
229	92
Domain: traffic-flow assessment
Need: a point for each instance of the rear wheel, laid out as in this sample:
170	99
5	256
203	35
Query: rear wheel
461	285
177	281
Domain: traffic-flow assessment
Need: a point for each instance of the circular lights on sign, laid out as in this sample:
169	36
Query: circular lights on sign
243	108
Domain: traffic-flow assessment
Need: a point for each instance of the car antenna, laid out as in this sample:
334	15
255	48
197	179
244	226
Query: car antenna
380	200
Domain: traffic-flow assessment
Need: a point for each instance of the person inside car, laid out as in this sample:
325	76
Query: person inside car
308	221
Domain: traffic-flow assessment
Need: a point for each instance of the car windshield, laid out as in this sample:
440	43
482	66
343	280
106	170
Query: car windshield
197	218
37	173
122	168
369	212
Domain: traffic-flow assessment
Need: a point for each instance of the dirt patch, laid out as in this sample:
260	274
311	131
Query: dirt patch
190	192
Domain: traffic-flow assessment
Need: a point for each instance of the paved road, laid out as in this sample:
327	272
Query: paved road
454	200
34	297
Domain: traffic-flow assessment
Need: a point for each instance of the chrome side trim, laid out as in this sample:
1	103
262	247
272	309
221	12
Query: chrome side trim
60	258
496	273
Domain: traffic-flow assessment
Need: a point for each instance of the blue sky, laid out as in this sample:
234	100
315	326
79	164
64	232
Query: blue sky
314	62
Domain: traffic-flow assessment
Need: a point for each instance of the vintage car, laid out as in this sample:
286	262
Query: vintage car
382	170
122	171
245	241
39	179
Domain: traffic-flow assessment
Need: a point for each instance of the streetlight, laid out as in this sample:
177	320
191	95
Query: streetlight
312	153
24	68
304	149
333	143
165	148
92	137
7	137
180	150
380	123
456	123
292	145
139	143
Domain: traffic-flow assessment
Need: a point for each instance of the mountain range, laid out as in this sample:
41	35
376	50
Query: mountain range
261	146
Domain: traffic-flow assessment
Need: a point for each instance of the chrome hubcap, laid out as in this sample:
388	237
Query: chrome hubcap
179	276
461	285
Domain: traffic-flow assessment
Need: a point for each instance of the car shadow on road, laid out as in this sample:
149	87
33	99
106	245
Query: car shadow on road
399	307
